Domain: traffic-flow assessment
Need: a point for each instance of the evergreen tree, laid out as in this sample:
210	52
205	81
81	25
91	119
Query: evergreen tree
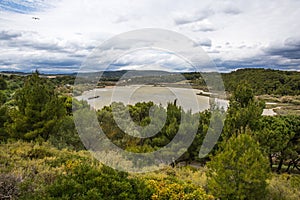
239	171
244	112
37	110
3	84
273	136
279	139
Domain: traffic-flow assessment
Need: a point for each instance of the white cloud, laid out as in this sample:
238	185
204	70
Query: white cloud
188	17
69	29
151	59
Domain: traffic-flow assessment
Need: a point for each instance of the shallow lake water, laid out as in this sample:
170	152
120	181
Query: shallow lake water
187	98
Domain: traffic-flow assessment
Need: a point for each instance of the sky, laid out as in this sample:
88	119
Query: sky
57	36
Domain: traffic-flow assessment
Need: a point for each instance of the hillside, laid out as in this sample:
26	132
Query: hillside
264	81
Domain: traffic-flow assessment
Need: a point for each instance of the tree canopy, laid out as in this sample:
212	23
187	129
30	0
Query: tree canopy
37	110
239	170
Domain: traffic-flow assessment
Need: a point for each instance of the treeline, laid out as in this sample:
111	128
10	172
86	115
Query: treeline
264	81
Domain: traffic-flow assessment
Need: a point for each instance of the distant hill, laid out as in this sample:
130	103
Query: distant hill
264	81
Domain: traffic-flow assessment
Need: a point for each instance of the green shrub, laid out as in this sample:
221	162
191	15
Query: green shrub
284	187
83	181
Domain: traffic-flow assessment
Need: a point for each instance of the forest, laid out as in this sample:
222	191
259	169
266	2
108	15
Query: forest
262	81
43	157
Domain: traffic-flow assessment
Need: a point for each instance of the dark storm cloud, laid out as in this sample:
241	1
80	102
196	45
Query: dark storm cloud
54	65
284	56
60	62
290	49
258	61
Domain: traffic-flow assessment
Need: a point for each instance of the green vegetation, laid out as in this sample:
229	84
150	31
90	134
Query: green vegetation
279	138
239	170
36	112
244	112
42	157
34	171
264	81
39	171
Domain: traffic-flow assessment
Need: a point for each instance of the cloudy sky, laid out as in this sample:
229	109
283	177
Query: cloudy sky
235	34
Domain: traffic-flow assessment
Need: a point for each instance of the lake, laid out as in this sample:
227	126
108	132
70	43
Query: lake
187	98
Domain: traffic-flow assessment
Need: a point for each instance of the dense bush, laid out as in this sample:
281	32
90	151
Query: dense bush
178	183
39	171
84	181
284	187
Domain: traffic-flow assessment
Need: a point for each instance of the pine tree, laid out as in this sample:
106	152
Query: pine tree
37	110
244	112
239	171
